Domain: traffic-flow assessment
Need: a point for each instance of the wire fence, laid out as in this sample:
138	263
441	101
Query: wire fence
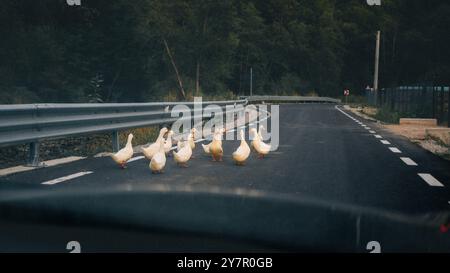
414	101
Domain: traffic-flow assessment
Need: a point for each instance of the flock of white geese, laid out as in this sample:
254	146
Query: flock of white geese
158	151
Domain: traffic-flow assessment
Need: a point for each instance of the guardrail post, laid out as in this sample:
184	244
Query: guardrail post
33	155
115	141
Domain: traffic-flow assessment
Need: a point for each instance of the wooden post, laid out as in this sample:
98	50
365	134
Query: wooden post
197	80
180	83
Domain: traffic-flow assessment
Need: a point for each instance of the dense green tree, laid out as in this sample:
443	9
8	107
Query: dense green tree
140	50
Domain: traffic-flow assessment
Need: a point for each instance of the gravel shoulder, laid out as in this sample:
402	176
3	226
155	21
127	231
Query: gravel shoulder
415	133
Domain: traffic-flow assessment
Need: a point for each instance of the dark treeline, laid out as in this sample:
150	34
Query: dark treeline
140	50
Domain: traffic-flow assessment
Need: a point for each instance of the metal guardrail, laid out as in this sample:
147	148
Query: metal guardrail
301	99
32	123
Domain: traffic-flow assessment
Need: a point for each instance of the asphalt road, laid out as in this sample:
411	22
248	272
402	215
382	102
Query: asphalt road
324	153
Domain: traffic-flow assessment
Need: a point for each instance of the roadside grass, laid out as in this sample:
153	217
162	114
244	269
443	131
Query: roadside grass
384	114
354	101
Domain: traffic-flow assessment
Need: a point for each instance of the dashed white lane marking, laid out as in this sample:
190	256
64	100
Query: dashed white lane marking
368	128
58	161
48	163
385	142
372	132
395	150
136	158
430	180
378	136
65	178
408	161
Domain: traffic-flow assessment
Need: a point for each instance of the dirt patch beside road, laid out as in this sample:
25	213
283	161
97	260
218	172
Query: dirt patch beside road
418	135
415	133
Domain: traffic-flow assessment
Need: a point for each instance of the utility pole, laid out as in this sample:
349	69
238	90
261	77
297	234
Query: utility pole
251	81
377	60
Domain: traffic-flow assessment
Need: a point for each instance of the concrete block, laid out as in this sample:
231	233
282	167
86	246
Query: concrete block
418	121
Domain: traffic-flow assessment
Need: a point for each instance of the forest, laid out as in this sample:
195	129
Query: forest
154	50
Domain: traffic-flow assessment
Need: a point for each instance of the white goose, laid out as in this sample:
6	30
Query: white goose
191	138
261	148
259	132
242	152
259	135
168	142
154	147
183	155
216	147
158	159
124	154
206	146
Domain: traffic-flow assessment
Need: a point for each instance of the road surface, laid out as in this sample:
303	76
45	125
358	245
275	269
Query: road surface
324	153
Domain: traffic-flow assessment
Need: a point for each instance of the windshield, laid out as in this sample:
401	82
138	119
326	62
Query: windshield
180	126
